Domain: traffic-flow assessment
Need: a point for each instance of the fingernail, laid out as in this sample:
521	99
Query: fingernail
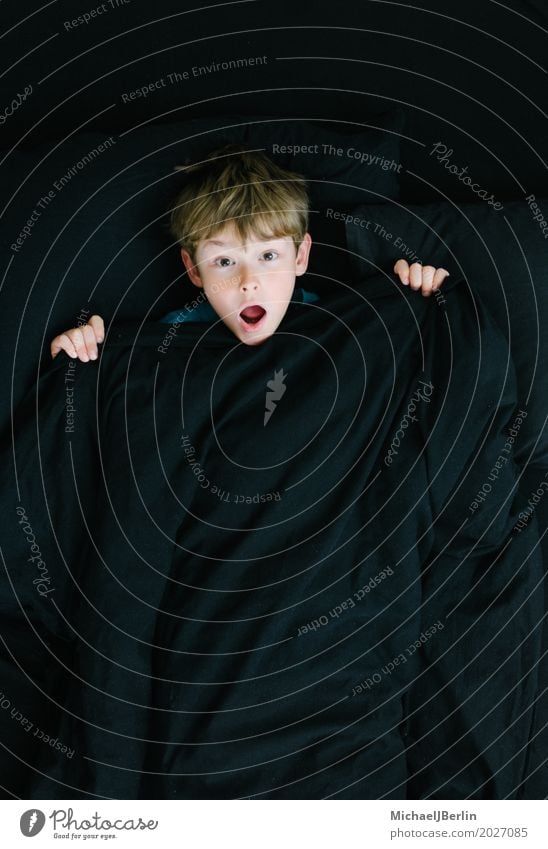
93	355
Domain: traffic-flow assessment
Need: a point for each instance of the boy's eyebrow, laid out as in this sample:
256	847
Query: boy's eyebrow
222	244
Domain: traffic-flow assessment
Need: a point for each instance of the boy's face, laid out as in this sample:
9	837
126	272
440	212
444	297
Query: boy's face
248	285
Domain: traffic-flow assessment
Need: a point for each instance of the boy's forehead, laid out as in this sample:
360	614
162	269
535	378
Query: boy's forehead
228	238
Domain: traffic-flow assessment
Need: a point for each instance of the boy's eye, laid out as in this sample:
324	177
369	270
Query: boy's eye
225	262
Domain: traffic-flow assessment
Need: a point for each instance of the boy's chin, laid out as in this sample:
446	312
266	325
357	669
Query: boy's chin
254	339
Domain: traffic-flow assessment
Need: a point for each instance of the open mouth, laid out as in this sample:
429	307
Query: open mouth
252	317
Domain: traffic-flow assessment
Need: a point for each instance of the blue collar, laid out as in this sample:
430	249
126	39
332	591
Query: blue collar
201	310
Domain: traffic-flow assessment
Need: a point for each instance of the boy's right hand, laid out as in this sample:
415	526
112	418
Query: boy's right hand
80	342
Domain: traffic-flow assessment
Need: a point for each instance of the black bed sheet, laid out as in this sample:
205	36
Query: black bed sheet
370	630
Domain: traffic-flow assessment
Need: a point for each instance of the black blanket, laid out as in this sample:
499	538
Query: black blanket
292	570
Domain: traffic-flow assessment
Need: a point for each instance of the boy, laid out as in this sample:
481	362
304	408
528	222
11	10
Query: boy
265	605
245	263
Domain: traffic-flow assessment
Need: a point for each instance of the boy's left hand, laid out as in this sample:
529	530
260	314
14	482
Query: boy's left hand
427	278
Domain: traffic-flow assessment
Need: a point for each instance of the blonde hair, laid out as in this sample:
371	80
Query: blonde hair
235	185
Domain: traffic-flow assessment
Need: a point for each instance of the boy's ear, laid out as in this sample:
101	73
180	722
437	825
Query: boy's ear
191	268
301	260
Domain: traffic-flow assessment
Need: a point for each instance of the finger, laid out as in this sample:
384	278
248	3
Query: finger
62	343
415	275
427	279
98	325
77	337
402	269
90	340
439	277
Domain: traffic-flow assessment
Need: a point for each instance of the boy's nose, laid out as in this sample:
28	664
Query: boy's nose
249	283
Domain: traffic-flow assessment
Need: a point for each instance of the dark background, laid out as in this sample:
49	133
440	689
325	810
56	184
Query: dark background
471	74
